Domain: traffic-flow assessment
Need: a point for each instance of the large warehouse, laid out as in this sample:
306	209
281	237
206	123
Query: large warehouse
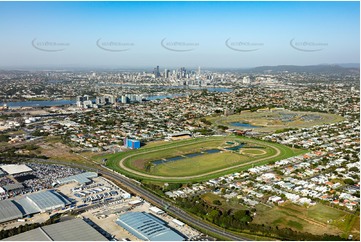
147	227
9	211
48	200
40	202
82	178
71	230
15	169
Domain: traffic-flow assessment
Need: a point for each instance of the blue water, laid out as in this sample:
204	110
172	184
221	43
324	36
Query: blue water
49	103
157	162
243	125
193	155
212	151
235	148
210	89
175	158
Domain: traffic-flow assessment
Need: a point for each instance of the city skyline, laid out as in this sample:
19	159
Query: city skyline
171	34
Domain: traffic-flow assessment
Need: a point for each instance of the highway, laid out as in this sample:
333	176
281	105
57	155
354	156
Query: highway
148	196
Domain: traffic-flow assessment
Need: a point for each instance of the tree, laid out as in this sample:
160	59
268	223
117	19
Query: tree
355	169
239	214
212	215
217	202
4	138
349	181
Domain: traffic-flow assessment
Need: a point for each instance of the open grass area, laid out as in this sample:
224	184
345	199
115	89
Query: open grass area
225	205
253	151
17	132
268	121
198	168
199	165
318	219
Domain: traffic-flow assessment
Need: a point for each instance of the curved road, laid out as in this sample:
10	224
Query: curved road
130	184
121	164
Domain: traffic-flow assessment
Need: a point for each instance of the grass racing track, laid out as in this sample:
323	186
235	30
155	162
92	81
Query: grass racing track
197	168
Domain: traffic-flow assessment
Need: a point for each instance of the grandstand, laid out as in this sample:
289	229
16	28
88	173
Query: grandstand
179	136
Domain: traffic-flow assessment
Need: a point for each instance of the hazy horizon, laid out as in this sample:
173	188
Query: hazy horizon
138	35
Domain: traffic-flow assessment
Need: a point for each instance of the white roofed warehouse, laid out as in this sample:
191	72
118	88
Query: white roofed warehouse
15	169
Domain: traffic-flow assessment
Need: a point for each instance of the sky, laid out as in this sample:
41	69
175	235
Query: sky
176	34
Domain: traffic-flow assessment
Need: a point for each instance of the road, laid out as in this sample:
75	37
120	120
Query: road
148	196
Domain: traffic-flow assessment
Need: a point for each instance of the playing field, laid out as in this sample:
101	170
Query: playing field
268	121
198	159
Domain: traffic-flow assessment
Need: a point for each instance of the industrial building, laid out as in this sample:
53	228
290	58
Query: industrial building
2	173
71	230
48	200
131	143
39	202
147	227
15	169
82	178
13	187
9	211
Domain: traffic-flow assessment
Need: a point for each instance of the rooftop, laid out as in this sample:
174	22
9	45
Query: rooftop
147	227
82	178
15	169
47	200
71	230
9	211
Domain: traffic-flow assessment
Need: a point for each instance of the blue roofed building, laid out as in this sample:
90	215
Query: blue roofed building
148	227
131	143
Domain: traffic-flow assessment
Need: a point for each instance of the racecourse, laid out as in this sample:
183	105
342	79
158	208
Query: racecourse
200	168
270	121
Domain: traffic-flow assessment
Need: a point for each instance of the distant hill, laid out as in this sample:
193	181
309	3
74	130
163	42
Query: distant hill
316	69
349	65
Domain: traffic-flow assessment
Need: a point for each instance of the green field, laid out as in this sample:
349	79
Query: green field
318	219
196	165
268	121
138	163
